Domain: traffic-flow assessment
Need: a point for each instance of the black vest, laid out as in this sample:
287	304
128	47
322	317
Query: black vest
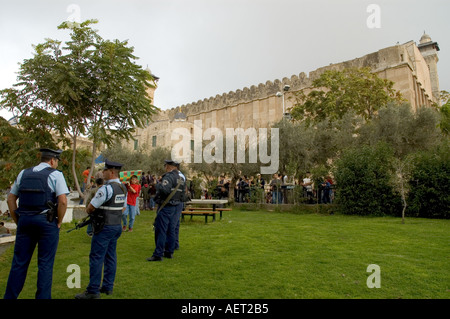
112	209
169	183
34	192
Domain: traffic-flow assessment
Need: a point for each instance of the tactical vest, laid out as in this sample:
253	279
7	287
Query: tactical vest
179	195
112	209
34	192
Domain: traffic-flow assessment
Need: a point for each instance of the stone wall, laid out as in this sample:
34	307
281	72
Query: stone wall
258	106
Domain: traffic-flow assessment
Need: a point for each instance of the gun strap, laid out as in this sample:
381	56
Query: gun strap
170	196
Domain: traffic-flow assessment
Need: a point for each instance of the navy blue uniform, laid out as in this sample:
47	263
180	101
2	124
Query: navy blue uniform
166	218
110	199
179	211
35	187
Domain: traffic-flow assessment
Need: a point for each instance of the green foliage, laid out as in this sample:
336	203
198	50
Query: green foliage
430	180
401	128
363	181
19	148
371	179
335	93
83	160
304	147
89	86
444	124
234	170
139	159
196	186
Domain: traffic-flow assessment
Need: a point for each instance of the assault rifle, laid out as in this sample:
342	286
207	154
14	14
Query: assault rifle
84	222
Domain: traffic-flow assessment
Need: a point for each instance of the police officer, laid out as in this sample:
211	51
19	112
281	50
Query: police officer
108	203
180	207
169	194
38	189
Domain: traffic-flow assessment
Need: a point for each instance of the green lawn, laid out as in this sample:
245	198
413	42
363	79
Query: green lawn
260	254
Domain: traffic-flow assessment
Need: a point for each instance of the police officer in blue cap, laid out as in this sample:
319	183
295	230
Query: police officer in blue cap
169	194
180	207
107	206
42	192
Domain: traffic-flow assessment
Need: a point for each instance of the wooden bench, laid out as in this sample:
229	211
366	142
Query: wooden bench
223	210
199	208
219	209
204	213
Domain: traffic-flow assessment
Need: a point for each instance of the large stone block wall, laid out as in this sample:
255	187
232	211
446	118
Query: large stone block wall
258	106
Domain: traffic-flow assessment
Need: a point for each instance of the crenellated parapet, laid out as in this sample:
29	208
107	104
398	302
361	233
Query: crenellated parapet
412	68
246	95
388	58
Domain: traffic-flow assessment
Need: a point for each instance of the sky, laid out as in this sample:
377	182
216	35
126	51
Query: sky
201	48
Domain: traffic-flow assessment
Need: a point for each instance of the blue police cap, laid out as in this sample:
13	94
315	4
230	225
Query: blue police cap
49	152
172	163
112	165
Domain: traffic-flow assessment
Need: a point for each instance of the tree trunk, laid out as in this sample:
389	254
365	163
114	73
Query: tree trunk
74	172
404	203
94	147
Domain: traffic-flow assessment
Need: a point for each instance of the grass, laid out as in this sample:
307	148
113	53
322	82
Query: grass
261	254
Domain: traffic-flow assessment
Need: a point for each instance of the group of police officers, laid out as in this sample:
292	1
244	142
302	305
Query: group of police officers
42	193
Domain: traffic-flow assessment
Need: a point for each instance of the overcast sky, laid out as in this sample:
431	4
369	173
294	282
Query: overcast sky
201	48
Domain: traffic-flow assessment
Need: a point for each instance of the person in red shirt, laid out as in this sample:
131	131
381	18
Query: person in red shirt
134	189
85	184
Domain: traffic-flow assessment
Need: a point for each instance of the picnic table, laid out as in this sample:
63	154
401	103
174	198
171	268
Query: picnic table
212	210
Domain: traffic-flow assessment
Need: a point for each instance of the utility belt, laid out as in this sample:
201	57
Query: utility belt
51	213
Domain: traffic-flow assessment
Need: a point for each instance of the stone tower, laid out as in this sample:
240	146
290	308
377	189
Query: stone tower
429	51
151	91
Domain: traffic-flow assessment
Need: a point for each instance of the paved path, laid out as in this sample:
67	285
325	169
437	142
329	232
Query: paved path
8	241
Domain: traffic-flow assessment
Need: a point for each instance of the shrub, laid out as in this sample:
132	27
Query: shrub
430	179
363	181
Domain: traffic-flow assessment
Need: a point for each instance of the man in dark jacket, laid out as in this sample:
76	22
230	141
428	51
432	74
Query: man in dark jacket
169	194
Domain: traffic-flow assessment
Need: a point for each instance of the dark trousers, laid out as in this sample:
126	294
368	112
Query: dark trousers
32	230
177	227
103	256
165	224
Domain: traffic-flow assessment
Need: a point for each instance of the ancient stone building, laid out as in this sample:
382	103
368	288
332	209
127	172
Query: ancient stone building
412	67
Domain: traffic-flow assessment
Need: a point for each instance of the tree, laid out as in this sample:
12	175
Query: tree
405	131
210	172
430	177
138	159
335	93
305	147
444	124
89	87
363	181
400	178
19	147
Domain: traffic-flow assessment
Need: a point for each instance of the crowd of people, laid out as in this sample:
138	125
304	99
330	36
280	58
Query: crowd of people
278	190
